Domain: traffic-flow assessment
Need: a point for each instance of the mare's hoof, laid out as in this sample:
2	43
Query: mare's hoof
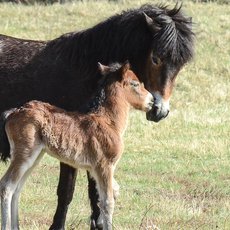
56	228
93	225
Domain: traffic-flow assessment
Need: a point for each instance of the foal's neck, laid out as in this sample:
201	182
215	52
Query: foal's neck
115	107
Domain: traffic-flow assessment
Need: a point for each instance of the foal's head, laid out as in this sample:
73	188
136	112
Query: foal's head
127	82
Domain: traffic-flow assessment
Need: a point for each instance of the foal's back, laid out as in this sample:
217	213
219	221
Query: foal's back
39	123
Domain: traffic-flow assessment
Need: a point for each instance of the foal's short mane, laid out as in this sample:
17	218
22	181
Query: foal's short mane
100	96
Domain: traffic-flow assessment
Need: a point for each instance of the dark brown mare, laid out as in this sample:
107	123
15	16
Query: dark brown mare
156	40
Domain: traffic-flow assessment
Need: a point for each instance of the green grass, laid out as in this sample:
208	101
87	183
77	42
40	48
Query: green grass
174	174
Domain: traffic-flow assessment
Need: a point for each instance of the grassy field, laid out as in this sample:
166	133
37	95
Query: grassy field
174	174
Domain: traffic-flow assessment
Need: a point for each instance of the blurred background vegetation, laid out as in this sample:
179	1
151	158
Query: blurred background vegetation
118	1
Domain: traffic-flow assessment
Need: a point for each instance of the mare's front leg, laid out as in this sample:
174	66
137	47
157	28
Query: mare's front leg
65	192
96	222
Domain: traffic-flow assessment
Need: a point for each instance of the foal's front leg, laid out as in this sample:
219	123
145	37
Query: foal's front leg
106	195
96	219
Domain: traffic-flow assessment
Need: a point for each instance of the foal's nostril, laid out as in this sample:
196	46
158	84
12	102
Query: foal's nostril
152	101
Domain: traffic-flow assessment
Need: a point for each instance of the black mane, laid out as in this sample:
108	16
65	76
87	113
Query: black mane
176	35
127	33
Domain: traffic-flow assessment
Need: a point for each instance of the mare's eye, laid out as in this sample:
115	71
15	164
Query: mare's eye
156	60
134	83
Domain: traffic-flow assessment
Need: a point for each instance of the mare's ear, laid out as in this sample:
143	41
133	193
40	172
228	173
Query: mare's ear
154	28
104	70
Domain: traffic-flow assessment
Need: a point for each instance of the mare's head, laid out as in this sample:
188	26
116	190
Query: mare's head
133	91
156	40
169	40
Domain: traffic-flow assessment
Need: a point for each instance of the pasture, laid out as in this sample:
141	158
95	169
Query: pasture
173	174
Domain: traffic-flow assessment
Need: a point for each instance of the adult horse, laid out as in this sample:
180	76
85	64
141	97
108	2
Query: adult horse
156	40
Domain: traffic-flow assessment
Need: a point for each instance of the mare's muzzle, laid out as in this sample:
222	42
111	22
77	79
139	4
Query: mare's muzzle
160	109
156	114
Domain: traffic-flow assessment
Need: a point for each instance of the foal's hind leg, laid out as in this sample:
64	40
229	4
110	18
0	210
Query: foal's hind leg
7	187
9	183
116	188
14	203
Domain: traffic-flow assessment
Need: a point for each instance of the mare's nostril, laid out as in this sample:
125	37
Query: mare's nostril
156	107
167	113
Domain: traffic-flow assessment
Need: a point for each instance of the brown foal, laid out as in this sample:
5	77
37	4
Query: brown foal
91	141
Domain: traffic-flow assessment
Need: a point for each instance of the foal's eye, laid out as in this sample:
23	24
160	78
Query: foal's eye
156	60
134	83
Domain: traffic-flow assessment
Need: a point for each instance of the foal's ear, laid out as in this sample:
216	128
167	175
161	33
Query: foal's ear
125	67
104	70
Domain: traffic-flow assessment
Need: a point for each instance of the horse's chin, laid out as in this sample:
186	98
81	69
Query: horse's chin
155	115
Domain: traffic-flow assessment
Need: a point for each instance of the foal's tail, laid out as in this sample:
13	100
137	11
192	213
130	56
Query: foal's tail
4	142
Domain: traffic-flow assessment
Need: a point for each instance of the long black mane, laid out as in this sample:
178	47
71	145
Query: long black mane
176	35
126	36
